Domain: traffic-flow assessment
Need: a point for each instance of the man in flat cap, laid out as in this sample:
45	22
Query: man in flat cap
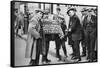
59	17
33	45
84	12
90	29
62	40
75	33
91	10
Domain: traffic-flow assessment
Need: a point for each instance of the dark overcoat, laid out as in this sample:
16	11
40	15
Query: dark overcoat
76	28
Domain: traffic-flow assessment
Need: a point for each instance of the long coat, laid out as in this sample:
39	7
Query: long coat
76	29
33	34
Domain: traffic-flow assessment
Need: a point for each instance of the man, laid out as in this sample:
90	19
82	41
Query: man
90	29
95	58
63	27
58	40
19	22
59	12
84	14
46	18
75	32
33	45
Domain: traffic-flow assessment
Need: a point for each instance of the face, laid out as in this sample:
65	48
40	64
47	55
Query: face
84	13
39	14
60	20
71	13
16	12
58	11
92	13
95	12
89	13
45	15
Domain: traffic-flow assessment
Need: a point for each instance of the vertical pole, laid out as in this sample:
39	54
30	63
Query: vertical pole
43	6
58	5
26	18
40	5
51	8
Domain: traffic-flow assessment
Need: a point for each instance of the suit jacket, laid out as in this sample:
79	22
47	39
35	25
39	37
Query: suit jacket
33	34
92	23
76	28
90	26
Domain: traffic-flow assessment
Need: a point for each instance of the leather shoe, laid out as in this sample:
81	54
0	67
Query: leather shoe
79	59
47	60
83	55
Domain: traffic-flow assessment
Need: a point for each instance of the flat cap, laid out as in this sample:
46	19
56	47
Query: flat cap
46	11
90	9
39	10
58	9
84	9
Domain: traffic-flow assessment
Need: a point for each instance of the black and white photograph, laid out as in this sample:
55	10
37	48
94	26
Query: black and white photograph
44	33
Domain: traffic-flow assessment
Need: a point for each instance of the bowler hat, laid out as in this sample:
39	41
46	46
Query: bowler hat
71	9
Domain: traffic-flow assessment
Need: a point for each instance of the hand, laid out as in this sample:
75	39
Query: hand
69	30
66	30
37	37
66	33
61	36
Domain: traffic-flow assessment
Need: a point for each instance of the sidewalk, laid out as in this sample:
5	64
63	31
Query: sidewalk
20	60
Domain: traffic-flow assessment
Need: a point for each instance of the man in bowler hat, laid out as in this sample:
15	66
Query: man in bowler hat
75	32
